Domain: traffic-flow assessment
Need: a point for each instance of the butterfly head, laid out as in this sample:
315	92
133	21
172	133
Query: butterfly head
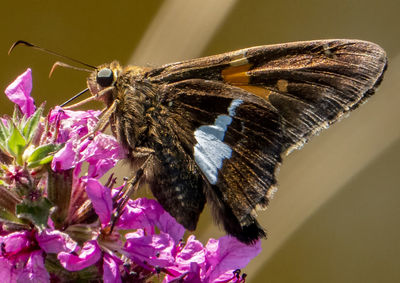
103	79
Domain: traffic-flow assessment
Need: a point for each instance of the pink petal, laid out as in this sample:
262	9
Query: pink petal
73	115
193	251
65	158
7	270
101	199
146	213
34	270
88	256
155	250
15	242
53	241
73	123
192	276
167	224
15	254
102	153
226	255
11	267
19	92
111	272
191	259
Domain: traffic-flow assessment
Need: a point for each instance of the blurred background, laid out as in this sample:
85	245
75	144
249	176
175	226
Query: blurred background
335	217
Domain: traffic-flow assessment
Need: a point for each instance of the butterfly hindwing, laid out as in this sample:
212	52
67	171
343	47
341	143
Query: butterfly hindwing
234	139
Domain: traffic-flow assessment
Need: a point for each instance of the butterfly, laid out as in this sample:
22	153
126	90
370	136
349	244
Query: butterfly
214	129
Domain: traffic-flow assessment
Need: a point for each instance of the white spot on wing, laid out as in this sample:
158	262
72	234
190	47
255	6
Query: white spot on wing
232	108
210	150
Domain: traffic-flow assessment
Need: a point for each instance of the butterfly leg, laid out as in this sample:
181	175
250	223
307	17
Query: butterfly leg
130	187
103	122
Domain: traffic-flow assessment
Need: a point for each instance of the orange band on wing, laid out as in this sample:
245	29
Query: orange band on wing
236	74
256	90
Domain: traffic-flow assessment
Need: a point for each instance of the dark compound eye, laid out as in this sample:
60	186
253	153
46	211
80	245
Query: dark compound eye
105	77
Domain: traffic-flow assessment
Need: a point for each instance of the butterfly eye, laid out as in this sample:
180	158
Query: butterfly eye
105	77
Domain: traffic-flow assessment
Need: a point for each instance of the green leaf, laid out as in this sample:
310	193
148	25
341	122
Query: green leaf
15	112
36	211
17	115
32	124
7	216
16	144
4	133
42	155
43	161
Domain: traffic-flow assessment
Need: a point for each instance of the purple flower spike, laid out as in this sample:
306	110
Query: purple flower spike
19	92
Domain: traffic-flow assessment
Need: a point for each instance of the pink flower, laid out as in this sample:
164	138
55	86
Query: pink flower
190	262
102	153
150	250
147	214
216	262
34	270
19	92
23	254
226	255
73	124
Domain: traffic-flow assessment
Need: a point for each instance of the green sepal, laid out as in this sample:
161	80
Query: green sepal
7	216
32	124
17	117
16	144
4	134
42	155
36	212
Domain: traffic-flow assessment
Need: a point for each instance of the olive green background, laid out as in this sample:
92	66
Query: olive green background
335	217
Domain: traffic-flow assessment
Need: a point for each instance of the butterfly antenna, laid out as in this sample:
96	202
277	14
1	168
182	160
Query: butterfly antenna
62	64
23	42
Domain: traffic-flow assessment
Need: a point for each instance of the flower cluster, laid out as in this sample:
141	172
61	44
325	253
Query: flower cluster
58	222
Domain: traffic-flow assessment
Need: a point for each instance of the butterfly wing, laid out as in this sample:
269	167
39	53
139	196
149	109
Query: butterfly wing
235	140
236	113
311	84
